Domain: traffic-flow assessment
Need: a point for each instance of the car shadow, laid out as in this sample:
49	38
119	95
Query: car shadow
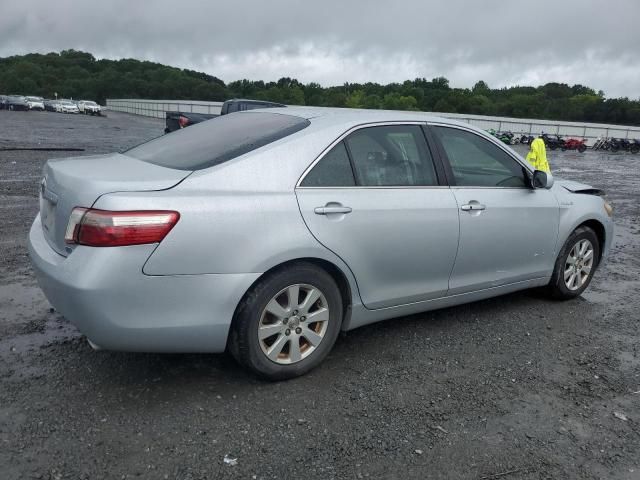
362	345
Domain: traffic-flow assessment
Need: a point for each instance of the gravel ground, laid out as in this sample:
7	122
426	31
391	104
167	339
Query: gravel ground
517	387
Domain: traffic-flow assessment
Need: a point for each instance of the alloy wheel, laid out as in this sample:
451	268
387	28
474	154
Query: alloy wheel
578	265
293	324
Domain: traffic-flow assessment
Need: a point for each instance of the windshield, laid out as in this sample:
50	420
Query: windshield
35	99
217	140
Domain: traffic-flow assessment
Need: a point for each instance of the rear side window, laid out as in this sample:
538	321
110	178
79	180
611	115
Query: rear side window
334	170
391	156
217	140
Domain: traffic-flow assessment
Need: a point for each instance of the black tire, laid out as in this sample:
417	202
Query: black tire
582	148
243	341
635	149
557	287
553	146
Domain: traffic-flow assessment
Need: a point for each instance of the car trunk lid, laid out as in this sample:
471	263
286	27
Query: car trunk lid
80	181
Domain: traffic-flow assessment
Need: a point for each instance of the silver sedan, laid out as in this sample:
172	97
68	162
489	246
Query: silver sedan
265	233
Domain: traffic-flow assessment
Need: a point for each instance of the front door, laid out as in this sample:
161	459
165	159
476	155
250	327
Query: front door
374	200
508	231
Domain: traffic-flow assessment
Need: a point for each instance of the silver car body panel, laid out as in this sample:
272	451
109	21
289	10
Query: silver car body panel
84	179
401	250
399	255
105	294
525	249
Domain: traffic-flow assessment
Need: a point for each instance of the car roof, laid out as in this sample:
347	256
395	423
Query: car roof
349	117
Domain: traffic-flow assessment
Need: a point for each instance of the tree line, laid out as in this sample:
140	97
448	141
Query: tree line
76	74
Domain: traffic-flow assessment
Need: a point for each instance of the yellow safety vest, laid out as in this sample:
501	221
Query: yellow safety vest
537	156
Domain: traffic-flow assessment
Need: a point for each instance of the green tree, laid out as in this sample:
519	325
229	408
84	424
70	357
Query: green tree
78	74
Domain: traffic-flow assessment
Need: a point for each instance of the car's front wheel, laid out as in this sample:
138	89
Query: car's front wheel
576	264
287	324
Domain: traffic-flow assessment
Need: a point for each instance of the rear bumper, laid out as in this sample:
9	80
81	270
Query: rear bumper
104	292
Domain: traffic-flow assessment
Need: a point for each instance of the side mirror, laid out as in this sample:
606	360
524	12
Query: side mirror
541	179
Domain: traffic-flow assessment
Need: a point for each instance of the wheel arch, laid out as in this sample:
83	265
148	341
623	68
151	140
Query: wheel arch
599	230
336	273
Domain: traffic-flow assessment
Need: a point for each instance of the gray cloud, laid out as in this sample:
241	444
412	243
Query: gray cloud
331	42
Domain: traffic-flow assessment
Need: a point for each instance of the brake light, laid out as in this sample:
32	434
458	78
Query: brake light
103	228
183	121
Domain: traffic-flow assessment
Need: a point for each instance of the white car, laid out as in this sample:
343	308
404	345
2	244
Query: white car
67	106
35	103
89	107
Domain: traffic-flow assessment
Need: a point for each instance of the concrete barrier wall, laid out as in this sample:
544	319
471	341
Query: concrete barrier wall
157	108
590	131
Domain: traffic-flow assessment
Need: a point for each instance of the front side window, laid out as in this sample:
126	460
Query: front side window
394	155
477	162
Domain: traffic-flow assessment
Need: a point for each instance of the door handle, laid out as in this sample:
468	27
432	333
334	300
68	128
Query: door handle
472	207
327	210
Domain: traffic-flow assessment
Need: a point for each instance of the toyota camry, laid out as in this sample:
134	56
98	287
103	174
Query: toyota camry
266	233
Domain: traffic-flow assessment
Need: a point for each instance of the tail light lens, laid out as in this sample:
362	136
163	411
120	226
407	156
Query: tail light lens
183	121
103	228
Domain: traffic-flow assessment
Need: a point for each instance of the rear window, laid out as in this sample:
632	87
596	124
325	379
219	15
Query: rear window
217	140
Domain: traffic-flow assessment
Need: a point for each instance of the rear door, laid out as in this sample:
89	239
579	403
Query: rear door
508	231
376	200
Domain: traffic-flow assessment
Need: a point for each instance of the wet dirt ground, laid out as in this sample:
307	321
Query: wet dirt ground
517	387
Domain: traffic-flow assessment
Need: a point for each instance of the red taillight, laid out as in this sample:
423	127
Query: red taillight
183	121
103	228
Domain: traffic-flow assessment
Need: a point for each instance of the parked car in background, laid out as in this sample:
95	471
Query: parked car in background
35	103
66	106
266	232
175	120
50	105
17	102
89	107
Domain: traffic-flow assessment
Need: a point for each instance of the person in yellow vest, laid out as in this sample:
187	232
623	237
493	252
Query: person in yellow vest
537	156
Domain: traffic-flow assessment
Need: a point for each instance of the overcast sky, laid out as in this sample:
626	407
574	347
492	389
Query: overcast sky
505	42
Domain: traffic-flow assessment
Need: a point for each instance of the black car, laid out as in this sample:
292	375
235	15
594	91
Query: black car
177	120
50	105
16	102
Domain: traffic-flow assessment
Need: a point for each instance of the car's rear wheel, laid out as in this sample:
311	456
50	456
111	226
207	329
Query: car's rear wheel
576	264
287	324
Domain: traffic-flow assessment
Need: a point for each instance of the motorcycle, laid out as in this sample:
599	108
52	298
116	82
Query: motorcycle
575	144
600	144
505	137
553	142
527	139
617	144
